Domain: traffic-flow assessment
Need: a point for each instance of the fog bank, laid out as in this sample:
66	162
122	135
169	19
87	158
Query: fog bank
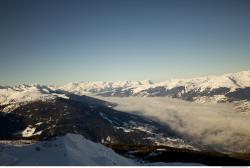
217	126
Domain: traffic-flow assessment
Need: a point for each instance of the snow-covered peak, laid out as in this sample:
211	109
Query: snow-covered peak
231	81
202	86
146	82
68	150
241	79
27	93
100	86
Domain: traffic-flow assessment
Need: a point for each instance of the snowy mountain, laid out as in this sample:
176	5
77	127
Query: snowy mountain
68	150
75	150
13	97
41	113
228	87
120	88
38	112
224	88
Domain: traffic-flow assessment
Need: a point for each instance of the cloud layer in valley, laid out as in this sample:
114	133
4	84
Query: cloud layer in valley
217	126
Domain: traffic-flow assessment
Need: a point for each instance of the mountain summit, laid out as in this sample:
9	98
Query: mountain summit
203	89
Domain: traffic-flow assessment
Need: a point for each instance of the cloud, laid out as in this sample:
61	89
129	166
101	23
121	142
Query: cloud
215	126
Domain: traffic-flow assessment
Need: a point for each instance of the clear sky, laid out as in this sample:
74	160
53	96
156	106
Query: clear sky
60	41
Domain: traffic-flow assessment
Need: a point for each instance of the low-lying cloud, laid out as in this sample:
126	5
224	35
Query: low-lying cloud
217	126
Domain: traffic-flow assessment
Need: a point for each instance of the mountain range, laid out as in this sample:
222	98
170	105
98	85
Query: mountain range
228	87
42	113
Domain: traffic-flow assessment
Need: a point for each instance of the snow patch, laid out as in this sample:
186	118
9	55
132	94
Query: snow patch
28	132
13	98
69	150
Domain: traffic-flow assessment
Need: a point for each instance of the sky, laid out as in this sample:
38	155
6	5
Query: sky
61	41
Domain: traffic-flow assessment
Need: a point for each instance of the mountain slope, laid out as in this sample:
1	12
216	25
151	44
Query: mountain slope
213	88
44	112
53	113
67	150
224	88
13	97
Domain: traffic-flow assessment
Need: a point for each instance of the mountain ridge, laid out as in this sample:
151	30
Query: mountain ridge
42	112
212	88
223	88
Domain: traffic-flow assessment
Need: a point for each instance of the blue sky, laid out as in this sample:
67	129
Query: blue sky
60	41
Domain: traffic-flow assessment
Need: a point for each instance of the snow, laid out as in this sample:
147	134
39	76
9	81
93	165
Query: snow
124	129
105	117
28	132
231	81
61	96
19	95
143	129
68	150
211	99
87	88
27	93
10	107
39	123
38	133
12	95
